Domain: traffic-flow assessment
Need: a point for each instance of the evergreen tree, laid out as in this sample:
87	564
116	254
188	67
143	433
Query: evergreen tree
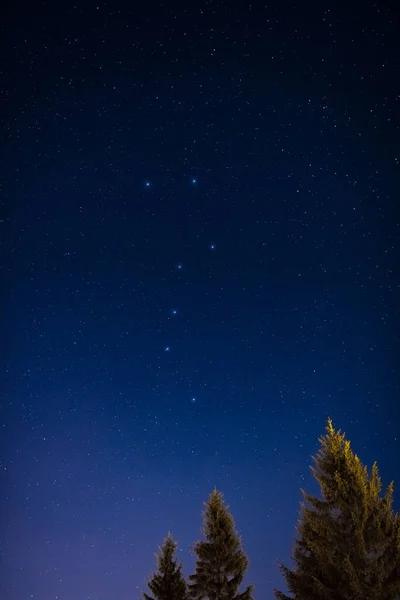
221	562
168	583
348	545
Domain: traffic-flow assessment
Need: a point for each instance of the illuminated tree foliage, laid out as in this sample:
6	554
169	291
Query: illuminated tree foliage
221	562
168	582
348	544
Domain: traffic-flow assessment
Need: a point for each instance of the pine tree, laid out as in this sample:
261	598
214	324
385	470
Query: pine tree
168	583
348	544
221	562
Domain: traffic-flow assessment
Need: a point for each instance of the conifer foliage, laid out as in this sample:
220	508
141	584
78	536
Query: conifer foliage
221	562
167	583
348	545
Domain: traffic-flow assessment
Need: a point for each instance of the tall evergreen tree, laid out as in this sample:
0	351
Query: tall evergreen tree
348	544
168	582
221	562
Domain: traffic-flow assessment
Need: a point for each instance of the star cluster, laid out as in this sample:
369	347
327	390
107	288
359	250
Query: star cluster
200	259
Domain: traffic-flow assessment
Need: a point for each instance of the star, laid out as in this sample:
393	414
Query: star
193	400
174	312
147	184
167	349
212	246
194	180
179	266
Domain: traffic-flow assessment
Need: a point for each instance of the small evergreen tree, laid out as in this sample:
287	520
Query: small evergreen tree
348	545
168	583
221	562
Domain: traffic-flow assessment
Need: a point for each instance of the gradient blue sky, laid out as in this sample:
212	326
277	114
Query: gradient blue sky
200	254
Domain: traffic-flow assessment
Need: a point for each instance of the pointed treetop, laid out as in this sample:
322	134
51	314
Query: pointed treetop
167	583
348	543
221	563
329	427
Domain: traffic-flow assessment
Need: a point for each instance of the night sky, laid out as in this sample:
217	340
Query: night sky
199	247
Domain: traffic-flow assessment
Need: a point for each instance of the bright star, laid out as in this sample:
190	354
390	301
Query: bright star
193	400
167	349
212	246
147	184
174	311
179	266
194	180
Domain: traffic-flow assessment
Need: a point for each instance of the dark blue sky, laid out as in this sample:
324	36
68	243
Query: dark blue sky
200	250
